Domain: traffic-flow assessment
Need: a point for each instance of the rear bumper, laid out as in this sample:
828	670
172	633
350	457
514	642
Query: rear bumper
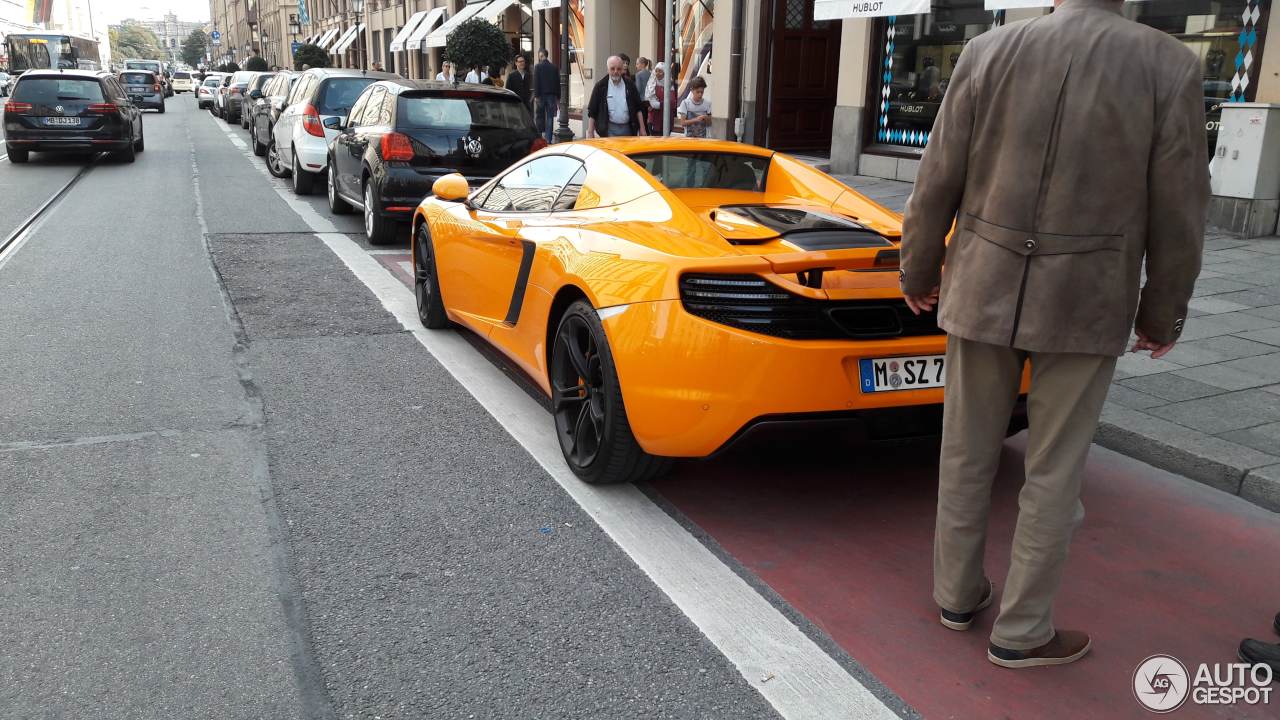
692	386
69	144
313	152
403	187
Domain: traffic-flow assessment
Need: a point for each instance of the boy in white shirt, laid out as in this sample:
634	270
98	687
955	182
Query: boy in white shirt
694	112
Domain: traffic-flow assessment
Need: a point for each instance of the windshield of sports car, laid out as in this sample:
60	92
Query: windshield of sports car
706	170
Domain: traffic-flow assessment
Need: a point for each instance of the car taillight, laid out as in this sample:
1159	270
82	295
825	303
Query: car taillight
311	121
396	148
17	107
102	108
537	145
155	86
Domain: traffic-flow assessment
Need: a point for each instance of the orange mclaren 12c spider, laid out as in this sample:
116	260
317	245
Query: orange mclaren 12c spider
670	294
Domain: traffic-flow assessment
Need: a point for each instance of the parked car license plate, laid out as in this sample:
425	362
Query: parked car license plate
62	121
901	373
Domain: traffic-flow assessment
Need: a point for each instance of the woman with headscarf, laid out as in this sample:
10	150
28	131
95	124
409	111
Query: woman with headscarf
655	95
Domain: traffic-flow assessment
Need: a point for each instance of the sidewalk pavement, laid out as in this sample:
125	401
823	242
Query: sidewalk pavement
1210	409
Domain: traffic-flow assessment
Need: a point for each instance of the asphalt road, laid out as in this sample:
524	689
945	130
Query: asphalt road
268	501
241	482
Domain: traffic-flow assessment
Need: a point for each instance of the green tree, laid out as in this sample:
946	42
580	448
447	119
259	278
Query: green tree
312	55
229	67
477	43
257	64
132	42
194	48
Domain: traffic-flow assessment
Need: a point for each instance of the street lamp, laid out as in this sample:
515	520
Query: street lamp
294	29
563	133
357	8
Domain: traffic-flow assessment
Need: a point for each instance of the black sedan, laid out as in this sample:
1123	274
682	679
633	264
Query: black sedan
401	135
71	111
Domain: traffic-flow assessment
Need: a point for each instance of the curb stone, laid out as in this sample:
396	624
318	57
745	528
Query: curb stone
1262	487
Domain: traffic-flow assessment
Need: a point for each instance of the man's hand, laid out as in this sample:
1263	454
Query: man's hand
922	303
1146	343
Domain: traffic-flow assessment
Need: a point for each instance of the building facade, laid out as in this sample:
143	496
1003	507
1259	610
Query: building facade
821	77
170	32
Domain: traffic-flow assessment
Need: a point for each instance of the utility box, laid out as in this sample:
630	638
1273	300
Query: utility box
1245	186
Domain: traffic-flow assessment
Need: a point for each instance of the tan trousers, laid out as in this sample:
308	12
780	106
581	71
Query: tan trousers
1065	400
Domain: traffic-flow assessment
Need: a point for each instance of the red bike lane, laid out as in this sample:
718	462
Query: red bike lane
843	533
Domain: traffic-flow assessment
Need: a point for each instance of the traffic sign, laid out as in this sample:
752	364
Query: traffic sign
295	45
215	35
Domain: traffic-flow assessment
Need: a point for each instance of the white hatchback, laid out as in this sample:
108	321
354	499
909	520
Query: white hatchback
301	136
205	92
183	82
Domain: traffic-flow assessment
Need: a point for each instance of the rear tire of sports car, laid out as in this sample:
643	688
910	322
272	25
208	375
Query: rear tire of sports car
426	284
591	422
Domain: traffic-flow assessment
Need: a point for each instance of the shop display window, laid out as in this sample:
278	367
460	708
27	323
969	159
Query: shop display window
917	56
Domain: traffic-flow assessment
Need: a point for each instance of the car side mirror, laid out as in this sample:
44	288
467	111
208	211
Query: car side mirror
452	187
333	123
255	94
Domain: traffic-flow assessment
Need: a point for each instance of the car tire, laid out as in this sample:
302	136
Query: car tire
337	205
591	421
141	143
273	161
303	181
258	148
378	230
18	157
226	117
129	154
161	108
426	284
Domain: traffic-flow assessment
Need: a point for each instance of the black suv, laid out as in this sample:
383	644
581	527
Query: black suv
71	111
401	135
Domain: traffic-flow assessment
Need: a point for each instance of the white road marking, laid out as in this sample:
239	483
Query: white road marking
4	157
387	252
789	670
406	267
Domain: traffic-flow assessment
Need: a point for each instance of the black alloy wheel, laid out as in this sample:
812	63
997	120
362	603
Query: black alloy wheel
426	284
591	422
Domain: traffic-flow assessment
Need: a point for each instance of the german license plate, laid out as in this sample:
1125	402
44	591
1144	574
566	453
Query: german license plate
62	121
901	373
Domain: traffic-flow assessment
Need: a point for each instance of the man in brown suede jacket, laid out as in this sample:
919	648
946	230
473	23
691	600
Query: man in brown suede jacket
1060	179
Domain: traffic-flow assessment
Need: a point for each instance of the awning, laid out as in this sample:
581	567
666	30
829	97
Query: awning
327	38
397	43
346	40
841	9
414	42
490	11
1011	4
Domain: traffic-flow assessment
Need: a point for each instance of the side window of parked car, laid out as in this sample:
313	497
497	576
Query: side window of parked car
569	195
373	107
353	117
387	110
298	91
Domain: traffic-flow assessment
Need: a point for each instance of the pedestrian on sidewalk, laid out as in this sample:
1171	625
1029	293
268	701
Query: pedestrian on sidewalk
655	95
614	108
546	87
694	112
520	82
446	72
1052	222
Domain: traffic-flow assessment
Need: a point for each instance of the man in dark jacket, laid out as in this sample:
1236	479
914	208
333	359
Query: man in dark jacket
520	82
614	108
546	88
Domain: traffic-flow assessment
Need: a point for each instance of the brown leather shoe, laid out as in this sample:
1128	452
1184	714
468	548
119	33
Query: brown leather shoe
963	620
1067	646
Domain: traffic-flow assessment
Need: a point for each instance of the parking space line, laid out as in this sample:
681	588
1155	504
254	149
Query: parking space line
783	664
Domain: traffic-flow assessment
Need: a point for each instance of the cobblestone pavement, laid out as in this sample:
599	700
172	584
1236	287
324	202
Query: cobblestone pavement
1210	409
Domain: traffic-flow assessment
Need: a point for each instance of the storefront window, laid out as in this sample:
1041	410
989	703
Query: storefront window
917	57
695	20
1227	36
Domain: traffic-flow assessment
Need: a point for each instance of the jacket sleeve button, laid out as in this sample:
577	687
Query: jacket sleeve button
1031	244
